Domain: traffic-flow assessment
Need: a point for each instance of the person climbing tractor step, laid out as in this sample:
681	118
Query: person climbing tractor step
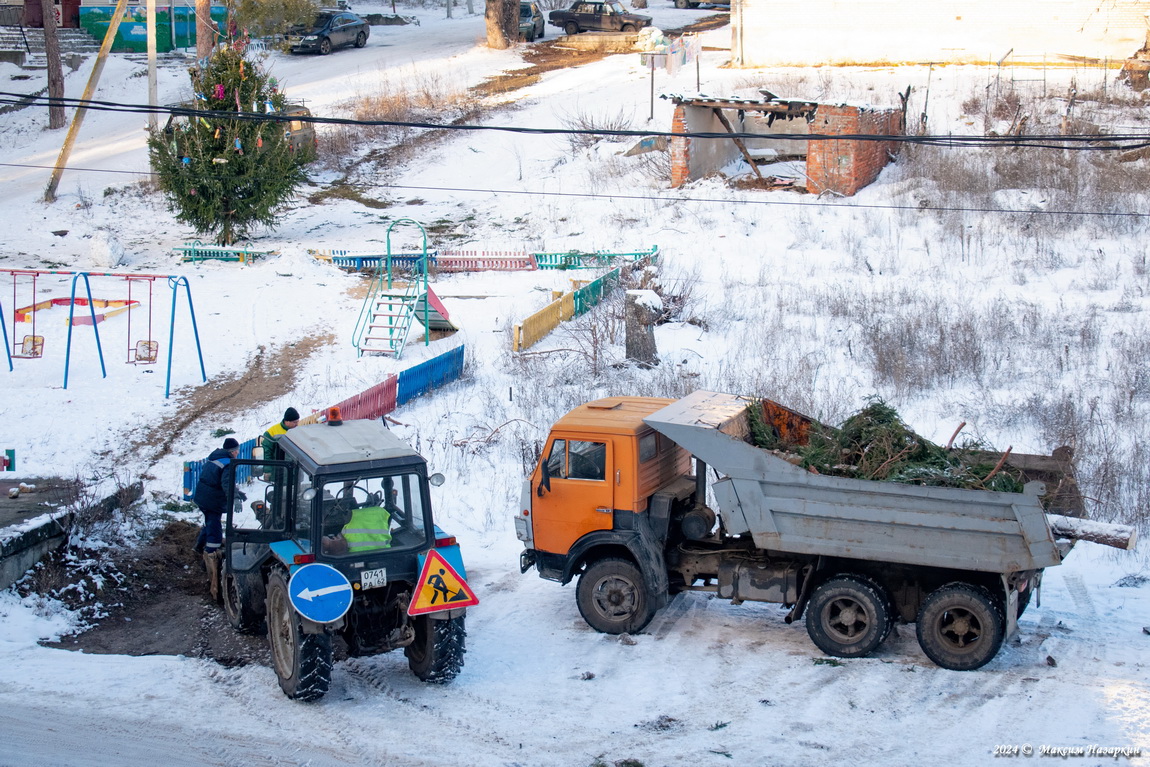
212	497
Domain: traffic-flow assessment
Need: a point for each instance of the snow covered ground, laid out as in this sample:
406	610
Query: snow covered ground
1029	328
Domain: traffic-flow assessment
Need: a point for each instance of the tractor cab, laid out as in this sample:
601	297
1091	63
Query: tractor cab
353	498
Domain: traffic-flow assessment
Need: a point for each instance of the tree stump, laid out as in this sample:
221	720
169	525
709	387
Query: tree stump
643	309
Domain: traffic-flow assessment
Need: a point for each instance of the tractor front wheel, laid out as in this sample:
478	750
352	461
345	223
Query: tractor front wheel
302	661
244	601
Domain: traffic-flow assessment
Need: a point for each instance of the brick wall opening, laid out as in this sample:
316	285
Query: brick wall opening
832	165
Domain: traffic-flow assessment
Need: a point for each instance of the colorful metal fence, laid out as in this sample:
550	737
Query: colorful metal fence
429	375
534	328
485	260
574	304
193	469
374	402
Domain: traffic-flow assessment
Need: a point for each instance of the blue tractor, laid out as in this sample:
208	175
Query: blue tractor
339	546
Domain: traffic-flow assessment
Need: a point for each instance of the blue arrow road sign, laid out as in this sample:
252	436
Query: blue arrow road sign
320	593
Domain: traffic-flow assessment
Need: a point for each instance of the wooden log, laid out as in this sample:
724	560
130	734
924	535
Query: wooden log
1118	536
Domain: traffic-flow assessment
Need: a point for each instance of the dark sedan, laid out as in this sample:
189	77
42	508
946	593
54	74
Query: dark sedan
331	29
594	14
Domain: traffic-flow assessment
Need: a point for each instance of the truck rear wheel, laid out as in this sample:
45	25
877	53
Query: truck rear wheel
960	626
243	601
848	616
612	597
436	654
302	661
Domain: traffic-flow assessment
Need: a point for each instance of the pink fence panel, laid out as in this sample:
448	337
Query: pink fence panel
377	401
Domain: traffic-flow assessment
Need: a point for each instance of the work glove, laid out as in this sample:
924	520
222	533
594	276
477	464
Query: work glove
241	495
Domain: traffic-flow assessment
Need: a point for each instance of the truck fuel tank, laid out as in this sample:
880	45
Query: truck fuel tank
745	580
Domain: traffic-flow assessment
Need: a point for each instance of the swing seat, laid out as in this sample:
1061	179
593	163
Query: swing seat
146	352
32	347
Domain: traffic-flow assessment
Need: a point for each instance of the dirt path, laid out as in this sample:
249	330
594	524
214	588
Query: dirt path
268	375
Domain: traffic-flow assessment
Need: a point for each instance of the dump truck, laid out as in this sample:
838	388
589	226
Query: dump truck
340	545
614	501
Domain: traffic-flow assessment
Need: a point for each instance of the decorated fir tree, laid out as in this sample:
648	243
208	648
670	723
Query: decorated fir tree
226	176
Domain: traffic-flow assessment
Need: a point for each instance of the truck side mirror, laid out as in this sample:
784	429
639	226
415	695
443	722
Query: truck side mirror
544	480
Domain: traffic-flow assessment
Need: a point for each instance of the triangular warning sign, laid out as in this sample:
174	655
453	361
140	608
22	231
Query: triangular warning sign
439	587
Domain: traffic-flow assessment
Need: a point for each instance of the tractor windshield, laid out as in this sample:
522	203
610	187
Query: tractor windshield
367	514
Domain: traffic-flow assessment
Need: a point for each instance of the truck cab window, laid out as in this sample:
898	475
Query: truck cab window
557	461
588	460
648	446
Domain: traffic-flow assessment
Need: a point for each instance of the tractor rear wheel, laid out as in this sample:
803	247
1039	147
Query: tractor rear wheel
436	654
302	661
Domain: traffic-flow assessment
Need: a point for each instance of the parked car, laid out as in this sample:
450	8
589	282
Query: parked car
696	3
331	29
603	15
300	134
531	21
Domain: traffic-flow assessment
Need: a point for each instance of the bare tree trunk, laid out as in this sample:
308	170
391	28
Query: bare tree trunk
205	29
643	308
55	69
496	29
1118	536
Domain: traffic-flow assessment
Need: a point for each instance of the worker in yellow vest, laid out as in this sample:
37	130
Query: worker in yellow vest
368	529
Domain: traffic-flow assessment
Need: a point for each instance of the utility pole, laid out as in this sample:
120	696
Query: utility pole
205	30
152	95
89	91
55	69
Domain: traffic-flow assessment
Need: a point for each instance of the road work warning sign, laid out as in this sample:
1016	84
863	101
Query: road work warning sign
439	587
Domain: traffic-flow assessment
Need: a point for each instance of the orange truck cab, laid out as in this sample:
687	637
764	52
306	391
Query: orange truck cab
604	488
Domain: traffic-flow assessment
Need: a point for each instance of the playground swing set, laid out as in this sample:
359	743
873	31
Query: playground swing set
140	350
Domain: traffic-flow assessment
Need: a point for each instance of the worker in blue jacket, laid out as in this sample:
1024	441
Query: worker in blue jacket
212	497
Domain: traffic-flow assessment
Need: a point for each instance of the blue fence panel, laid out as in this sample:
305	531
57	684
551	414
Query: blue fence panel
193	470
430	375
413	382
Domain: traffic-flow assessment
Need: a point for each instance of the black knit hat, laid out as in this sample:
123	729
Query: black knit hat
291	414
231	444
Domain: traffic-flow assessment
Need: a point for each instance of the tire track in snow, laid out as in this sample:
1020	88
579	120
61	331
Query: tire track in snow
379	678
337	733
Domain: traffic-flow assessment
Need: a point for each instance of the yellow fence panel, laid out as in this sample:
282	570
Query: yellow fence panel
534	328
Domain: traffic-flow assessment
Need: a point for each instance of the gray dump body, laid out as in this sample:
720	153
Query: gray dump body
786	508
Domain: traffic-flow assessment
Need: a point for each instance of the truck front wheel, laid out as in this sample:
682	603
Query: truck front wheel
613	598
848	616
960	626
302	661
436	654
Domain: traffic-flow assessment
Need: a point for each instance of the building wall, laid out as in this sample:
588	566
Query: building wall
836	166
844	167
773	33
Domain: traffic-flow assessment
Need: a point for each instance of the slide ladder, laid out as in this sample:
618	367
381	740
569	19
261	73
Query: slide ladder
392	307
386	321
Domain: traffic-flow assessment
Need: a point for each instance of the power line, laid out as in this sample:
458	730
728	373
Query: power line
1104	143
818	203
